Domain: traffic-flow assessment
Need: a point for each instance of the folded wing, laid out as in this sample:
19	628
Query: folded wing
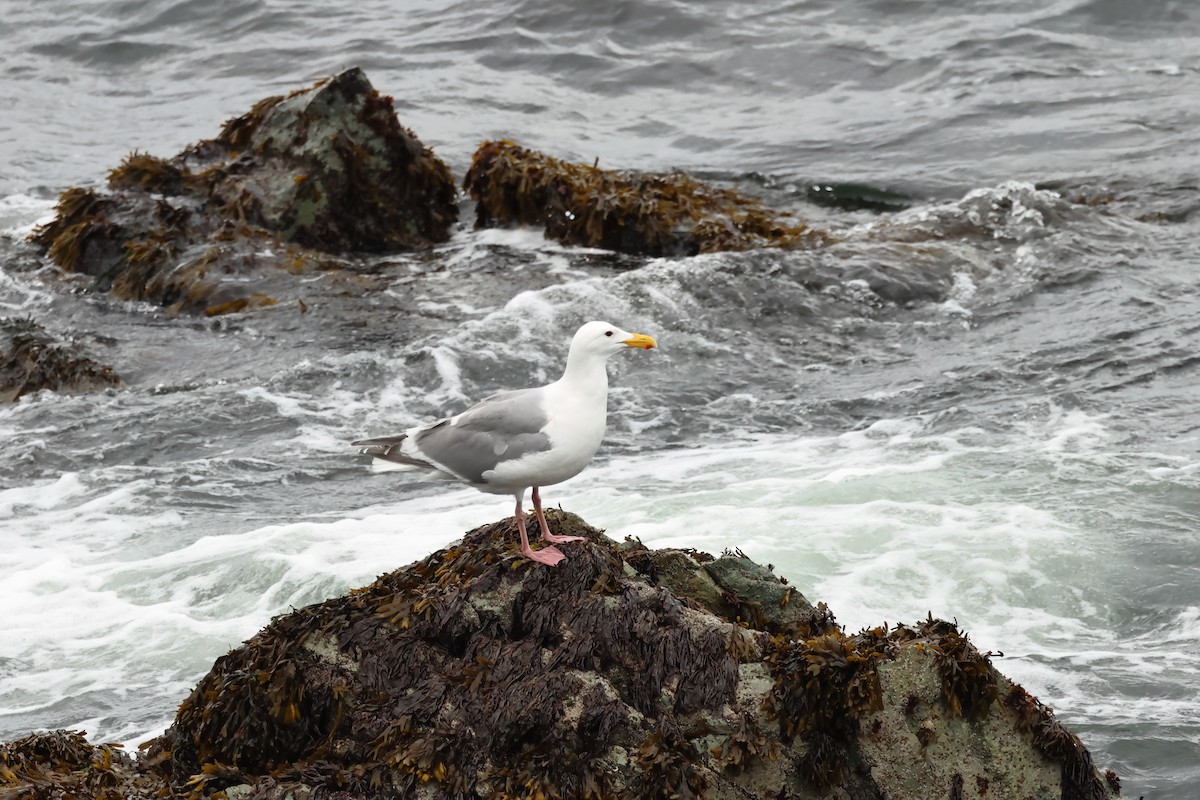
503	427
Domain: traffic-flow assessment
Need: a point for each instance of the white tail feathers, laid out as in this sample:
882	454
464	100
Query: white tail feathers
382	465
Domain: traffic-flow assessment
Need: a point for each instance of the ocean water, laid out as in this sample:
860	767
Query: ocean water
980	403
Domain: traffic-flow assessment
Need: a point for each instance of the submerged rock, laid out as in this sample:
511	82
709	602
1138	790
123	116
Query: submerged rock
32	360
648	214
327	169
857	197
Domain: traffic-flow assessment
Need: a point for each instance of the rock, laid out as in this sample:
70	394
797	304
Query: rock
641	213
754	595
31	360
332	168
60	764
328	169
857	197
732	586
475	673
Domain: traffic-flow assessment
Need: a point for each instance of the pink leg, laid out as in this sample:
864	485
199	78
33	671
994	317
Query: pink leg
546	534
547	555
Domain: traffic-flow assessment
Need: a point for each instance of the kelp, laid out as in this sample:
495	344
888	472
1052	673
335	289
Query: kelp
669	214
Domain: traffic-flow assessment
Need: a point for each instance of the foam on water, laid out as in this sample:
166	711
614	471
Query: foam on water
477	248
893	522
19	295
20	213
888	522
91	619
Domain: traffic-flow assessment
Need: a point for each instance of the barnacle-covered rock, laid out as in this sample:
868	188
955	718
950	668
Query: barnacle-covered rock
641	213
475	673
32	360
222	225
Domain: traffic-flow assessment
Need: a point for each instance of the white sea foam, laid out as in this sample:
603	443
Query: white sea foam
885	523
478	247
447	367
961	295
523	328
21	213
87	612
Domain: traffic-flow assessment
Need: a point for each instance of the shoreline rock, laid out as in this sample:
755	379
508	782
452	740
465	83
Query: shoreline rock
623	673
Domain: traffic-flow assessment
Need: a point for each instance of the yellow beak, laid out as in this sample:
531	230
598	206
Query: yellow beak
642	341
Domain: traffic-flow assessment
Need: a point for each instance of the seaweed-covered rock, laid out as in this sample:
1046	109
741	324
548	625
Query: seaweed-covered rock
650	214
327	169
475	673
61	764
332	168
31	360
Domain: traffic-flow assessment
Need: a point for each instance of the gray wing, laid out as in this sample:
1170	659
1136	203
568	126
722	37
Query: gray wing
501	428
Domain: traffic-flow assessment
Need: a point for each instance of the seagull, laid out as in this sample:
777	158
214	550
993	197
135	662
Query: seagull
521	439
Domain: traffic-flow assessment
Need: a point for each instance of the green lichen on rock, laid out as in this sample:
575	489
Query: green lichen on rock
327	169
949	720
32	360
641	213
732	586
475	673
332	168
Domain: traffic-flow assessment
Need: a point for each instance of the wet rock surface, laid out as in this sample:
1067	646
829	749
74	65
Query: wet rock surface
622	673
666	214
31	360
215	229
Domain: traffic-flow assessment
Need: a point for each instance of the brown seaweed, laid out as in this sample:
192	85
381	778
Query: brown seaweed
32	360
648	214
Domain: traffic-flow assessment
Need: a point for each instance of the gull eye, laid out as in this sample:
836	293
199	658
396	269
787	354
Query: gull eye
608	333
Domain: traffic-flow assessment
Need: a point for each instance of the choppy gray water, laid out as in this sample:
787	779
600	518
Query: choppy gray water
984	406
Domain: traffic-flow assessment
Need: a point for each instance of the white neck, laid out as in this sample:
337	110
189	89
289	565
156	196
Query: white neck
586	370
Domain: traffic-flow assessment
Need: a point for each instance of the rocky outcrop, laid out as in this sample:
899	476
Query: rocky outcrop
640	213
328	169
622	673
62	764
32	360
